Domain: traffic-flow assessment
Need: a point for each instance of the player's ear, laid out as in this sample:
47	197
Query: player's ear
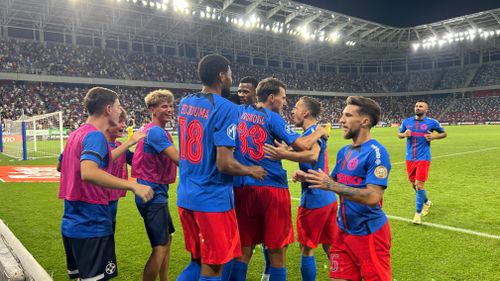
108	109
366	122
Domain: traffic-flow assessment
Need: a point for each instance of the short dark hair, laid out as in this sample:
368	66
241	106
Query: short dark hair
209	68
313	105
250	80
97	99
267	87
367	107
424	101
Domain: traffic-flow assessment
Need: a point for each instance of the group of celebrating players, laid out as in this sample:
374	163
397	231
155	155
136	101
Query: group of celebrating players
232	189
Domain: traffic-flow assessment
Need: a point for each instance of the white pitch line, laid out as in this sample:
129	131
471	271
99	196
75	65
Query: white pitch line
446	227
455	154
451	228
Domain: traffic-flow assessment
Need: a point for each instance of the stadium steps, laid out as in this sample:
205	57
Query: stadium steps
472	74
451	105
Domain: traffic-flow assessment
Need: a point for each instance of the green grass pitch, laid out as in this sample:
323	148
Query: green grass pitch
464	185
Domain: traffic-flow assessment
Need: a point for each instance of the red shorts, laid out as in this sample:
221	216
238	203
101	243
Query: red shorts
264	216
213	237
364	257
316	226
418	170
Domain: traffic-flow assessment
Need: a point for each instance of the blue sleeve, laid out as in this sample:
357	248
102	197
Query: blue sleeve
129	156
157	139
60	157
95	148
436	126
281	130
225	125
402	128
378	166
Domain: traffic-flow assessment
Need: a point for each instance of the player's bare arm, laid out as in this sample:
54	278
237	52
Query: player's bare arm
228	165
307	142
405	134
371	195
171	152
282	151
136	137
91	173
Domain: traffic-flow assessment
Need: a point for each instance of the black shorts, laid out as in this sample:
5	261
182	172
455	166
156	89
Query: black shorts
91	258
158	222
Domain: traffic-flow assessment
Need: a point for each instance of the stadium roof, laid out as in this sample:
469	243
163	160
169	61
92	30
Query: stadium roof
270	29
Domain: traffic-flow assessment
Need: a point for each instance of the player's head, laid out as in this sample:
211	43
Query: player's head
247	90
272	93
306	108
161	105
214	71
421	108
103	102
360	113
118	131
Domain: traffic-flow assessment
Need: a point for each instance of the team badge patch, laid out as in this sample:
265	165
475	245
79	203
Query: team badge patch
231	131
110	268
380	172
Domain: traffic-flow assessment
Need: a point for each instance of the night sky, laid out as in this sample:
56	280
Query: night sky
405	13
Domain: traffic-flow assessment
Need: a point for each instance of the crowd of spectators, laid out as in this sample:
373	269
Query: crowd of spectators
68	60
41	98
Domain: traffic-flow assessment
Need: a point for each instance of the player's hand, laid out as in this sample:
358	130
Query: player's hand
299	175
430	136
324	134
257	172
144	192
319	179
407	133
136	137
277	152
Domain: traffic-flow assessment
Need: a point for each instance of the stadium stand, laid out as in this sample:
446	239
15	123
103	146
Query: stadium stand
31	57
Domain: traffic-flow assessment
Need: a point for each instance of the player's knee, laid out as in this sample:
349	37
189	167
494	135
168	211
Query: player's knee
306	251
160	251
419	185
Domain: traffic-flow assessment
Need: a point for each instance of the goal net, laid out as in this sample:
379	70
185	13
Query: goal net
34	137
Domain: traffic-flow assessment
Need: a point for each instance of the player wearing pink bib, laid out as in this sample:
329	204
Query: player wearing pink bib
155	164
86	224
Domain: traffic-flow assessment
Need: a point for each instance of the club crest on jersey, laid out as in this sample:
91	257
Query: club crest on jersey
423	127
380	172
289	130
231	131
352	164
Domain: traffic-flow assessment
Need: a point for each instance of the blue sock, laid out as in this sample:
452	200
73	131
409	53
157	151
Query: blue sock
267	265
421	195
308	268
277	274
206	278
190	273
239	272
226	270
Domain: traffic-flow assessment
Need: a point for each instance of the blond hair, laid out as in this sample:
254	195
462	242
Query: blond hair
157	97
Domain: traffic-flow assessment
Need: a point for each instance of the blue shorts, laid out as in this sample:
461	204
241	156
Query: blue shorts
158	222
91	258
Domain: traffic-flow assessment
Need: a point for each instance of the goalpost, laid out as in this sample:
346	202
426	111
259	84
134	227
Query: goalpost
35	137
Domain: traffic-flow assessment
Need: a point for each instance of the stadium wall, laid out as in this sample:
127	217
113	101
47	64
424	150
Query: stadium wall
15	259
